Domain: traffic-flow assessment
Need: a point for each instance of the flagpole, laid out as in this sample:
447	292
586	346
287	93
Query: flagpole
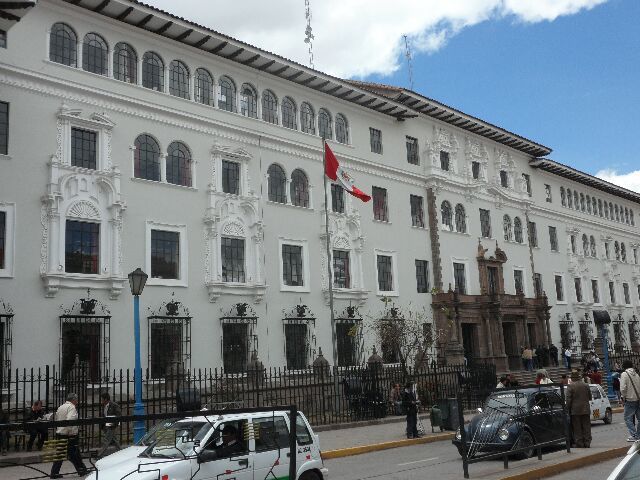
329	269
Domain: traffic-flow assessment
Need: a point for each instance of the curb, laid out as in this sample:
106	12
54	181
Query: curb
573	464
348	452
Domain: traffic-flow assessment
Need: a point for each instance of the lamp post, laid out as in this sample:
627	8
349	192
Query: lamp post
137	280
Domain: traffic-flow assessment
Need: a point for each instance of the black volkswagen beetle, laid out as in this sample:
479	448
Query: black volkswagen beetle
514	419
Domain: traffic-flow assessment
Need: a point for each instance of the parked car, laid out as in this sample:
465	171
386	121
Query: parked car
515	419
600	405
629	466
235	446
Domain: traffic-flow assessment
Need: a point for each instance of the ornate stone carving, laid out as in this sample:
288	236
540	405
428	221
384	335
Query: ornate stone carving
83	209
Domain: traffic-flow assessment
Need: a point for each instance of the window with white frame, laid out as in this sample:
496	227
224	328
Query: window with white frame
294	265
84	148
232	259
178	164
577	283
203	87
277	188
227	95
179	79
475	170
422	276
386	273
506	227
341	269
307	118
537	284
152	71
460	277
269	107
533	234
547	192
289	114
380	210
147	158
518	281
504	179
325	125
485	223
446	215
342	129
595	290
231	177
460	218
337	198
417	211
82	247
249	102
299	189
95	54
445	161
63	45
166	260
7	223
559	283
553	239
412	150
375	139
627	295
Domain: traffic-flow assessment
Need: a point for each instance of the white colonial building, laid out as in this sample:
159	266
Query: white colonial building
130	138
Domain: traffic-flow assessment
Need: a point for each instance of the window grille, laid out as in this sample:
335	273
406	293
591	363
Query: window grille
249	103
84	348
178	79
165	254
152	72
422	276
446	214
227	95
233	260
506	227
4	128
547	191
169	345
341	269
297	343
577	282
277	184
342	129
559	288
83	148
289	113
307	119
230	177
63	45
299	189
6	344
533	234
94	54
537	284
412	150
417	212
444	160
179	164
235	347
553	238
204	87
595	291
586	335
380	211
125	63
567	334
375	139
337	198
269	107
504	179
3	39
485	223
518	280
459	277
569	199
292	268
324	124
385	273
3	238
82	247
475	170
349	342
147	158
461	219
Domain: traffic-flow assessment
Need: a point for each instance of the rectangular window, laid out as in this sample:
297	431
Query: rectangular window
527	183
444	160
385	274
635	256
84	339
533	234
337	198
346	342
537	284
459	278
412	151
492	277
485	223
82	247
296	345
518	280
577	283
638	292
504	179
547	192
341	269
232	259
231	177
166	348
292	274
572	241
380	204
3	39
612	292
422	276
235	347
627	296
3	238
83	148
275	433
475	170
417	212
559	288
553	239
4	128
165	254
595	291
607	252
375	138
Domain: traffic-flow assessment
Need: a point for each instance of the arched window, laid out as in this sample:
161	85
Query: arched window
588	204
307	118
517	229
623	252
585	245
63	45
125	63
563	197
289	114
178	79
95	54
342	130
600	207
576	200
506	226
616	248
626	216
569	198
445	210
606	210
611	214
204	87
592	244
179	164
152	71
227	95
147	158
277	184
299	189
617	213
633	223
461	219
248	101
324	124
582	202
269	107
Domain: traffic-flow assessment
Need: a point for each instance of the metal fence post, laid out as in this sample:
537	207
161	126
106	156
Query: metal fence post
463	436
293	447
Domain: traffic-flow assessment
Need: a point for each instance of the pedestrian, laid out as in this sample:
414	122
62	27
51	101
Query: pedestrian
503	383
542	377
410	406
596	377
629	388
68	411
617	367
578	397
564	380
567	357
4	434
553	354
36	414
109	435
395	399
615	376
527	358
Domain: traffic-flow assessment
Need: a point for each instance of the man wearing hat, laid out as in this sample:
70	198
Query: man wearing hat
68	411
578	397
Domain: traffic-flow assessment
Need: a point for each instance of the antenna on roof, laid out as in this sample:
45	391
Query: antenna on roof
308	35
407	54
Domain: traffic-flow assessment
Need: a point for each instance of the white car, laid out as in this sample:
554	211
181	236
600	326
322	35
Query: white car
600	405
225	447
629	466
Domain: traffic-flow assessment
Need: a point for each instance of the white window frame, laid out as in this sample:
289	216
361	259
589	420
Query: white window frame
220	153
524	279
564	289
9	246
101	125
182	281
464	261
394	271
306	287
613	301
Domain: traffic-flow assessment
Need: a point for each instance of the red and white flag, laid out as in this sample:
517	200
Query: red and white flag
334	171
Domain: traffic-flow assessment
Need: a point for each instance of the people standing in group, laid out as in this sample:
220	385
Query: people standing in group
109	434
35	414
577	398
410	406
503	383
553	354
564	380
68	411
630	394
567	357
542	378
596	377
395	399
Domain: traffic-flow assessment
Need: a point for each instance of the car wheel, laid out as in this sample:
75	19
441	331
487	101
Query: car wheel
608	416
310	475
525	441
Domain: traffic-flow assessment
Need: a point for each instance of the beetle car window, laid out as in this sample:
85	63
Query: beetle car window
507	400
555	401
270	433
541	400
302	432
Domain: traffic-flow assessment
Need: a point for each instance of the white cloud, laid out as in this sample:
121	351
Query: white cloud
356	38
630	180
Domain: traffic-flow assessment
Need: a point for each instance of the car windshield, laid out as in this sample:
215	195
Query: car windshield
510	401
631	470
175	439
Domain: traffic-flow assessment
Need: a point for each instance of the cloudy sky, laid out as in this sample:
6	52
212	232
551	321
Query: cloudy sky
565	73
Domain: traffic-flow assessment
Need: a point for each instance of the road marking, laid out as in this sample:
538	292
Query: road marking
418	461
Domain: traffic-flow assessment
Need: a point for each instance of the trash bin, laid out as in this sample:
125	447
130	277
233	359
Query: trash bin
449	409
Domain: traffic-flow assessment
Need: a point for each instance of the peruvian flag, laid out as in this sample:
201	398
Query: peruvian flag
335	172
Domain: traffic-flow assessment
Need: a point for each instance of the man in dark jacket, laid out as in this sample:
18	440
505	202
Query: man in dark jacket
34	414
578	397
553	353
410	405
109	434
